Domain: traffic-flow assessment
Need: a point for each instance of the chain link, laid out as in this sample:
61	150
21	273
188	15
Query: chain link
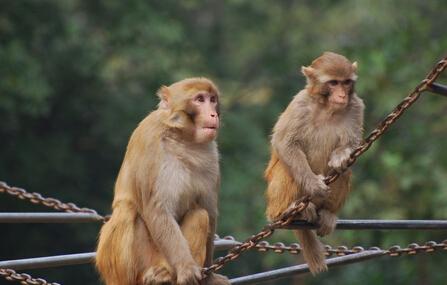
37	198
251	242
301	204
395	250
23	278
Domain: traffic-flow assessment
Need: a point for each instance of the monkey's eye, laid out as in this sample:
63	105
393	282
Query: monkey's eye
213	99
200	98
332	82
347	82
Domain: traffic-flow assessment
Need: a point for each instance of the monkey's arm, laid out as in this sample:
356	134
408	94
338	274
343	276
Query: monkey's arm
168	238
351	140
290	153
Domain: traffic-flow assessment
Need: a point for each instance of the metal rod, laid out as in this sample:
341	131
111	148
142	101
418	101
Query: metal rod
438	88
377	225
304	268
48	261
224	244
49	218
341	224
80	258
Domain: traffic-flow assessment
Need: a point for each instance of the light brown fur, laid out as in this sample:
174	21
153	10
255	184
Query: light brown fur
165	207
312	136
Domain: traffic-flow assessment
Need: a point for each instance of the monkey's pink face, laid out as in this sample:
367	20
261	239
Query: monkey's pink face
207	117
339	93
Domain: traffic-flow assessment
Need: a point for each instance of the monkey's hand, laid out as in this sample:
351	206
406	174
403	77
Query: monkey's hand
217	279
189	274
339	159
316	189
158	274
310	213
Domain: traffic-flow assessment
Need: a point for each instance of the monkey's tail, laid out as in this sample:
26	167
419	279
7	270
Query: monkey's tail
313	251
114	257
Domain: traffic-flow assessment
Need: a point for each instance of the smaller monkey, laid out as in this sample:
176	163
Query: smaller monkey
165	206
317	132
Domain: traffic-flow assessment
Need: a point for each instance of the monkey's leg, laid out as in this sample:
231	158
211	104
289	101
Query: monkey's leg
327	222
195	229
339	192
198	228
156	270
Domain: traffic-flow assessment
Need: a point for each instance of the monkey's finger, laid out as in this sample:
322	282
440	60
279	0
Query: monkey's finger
199	276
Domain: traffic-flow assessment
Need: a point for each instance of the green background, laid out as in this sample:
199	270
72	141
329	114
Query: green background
77	76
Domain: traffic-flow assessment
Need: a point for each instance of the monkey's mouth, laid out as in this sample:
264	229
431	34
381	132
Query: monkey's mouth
210	126
209	130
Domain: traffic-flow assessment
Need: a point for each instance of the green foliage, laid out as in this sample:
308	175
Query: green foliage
77	76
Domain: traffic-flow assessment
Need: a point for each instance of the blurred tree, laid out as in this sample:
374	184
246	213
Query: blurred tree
77	76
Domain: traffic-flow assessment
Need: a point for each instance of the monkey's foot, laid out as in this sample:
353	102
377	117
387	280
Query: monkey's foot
217	279
189	274
310	213
157	275
327	222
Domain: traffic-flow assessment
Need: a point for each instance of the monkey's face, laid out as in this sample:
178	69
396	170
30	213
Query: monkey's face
338	93
193	107
206	116
331	78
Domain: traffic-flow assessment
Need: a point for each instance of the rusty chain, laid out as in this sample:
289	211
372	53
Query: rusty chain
392	117
301	204
37	198
395	250
23	278
268	230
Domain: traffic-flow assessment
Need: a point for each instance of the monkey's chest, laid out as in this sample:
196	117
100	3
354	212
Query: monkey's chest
319	144
189	186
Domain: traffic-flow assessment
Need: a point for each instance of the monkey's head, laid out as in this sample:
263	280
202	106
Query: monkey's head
193	107
331	80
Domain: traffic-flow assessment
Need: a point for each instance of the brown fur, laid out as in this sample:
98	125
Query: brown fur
311	136
165	205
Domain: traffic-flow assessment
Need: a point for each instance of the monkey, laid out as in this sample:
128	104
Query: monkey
163	221
317	132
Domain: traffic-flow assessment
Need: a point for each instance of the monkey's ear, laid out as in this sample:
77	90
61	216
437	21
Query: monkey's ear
178	120
355	66
308	71
164	95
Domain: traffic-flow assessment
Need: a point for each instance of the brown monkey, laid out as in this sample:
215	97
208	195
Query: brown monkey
317	132
164	211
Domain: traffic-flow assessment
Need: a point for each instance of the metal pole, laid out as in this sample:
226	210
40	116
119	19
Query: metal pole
438	88
49	218
377	225
304	268
48	261
80	258
341	224
224	244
